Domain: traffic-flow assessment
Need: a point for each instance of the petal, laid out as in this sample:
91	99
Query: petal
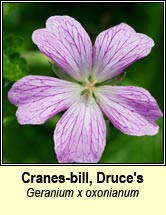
66	42
80	135
132	110
117	48
40	97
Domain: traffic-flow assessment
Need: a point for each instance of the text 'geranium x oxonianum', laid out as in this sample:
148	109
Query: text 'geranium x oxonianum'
80	135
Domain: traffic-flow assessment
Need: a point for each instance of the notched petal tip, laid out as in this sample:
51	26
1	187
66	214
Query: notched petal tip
143	36
117	48
66	42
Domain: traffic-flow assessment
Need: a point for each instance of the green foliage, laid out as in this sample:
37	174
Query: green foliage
15	67
113	81
60	73
8	8
122	148
11	43
7	120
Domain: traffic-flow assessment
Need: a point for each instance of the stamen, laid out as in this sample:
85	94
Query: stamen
88	88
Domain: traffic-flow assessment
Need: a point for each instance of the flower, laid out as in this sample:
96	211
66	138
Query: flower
80	135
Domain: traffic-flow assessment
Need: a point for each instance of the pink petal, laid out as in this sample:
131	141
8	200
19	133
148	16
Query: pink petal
66	42
132	110
40	97
80	135
117	48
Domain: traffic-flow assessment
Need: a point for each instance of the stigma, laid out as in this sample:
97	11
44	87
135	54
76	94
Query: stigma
88	88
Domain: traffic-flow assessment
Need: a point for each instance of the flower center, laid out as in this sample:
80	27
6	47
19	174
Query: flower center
88	88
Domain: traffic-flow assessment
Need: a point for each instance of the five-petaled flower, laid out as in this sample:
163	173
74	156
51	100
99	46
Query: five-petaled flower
80	135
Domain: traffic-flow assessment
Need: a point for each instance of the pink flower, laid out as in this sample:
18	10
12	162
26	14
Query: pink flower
80	135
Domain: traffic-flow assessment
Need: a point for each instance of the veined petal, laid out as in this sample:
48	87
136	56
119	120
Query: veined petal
65	41
117	48
40	97
80	134
132	110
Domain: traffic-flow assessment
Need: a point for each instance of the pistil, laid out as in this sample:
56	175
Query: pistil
88	88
